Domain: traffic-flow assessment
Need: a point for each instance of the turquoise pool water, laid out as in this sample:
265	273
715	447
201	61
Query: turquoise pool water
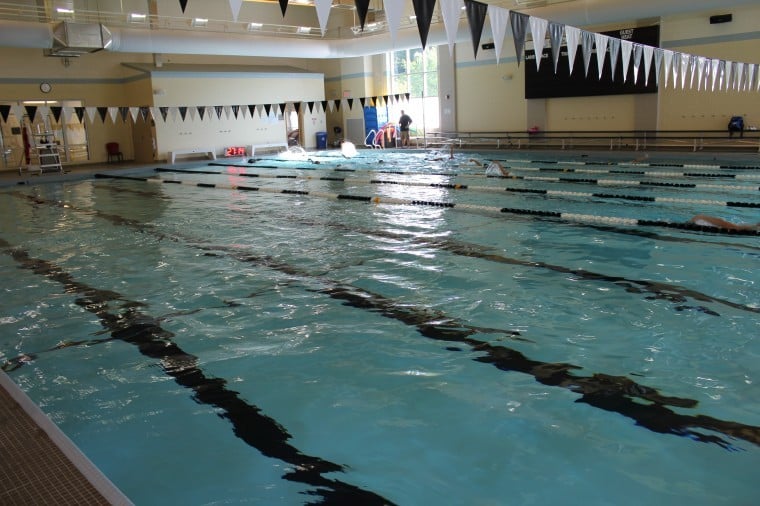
204	345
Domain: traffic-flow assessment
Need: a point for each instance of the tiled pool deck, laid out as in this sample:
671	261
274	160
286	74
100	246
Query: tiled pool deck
39	465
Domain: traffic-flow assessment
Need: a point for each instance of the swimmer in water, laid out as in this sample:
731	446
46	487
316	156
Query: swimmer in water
493	168
711	221
348	149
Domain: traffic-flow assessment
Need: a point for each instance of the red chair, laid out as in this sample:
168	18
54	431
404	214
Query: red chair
112	148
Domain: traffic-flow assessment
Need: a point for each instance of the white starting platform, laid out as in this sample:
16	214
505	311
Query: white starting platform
267	145
210	153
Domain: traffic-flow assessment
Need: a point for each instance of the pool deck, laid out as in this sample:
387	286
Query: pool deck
39	465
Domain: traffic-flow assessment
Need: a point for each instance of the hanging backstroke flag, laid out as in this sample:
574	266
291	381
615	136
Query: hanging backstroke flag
450	10
423	9
476	15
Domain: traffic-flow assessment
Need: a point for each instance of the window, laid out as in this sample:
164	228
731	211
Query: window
415	71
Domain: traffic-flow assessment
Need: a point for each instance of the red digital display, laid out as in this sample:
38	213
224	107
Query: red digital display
235	151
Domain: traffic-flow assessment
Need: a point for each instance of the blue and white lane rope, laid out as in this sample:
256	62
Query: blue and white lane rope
571	217
491	189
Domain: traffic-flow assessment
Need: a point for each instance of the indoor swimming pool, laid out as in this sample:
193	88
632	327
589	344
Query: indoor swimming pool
395	328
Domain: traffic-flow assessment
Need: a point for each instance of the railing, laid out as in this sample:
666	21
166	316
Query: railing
637	140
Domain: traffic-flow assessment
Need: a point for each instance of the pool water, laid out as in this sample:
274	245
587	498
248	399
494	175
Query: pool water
209	345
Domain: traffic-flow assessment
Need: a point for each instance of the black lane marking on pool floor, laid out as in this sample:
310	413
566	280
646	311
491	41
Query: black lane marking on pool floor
265	434
660	291
490	189
615	394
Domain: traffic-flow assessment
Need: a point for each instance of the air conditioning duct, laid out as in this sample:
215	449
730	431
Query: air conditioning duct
75	39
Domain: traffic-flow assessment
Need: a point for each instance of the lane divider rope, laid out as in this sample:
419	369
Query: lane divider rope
572	217
641	164
545	179
648	173
491	189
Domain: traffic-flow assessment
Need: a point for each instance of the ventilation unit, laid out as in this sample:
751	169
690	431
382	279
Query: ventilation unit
75	39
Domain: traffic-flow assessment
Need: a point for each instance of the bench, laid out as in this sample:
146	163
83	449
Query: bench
266	145
209	152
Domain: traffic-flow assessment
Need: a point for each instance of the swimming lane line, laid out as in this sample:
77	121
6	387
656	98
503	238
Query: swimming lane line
490	189
570	217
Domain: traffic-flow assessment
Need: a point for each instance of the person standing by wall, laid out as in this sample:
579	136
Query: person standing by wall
404	122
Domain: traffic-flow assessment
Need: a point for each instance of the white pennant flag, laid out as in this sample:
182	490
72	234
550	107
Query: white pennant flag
112	112
614	45
91	113
572	36
173	113
43	111
667	61
538	33
692	70
134	111
499	22
637	51
587	45
657	64
676	66
18	111
626	46
728	75
227	111
68	114
323	13
451	10
740	76
750	76
701	61
714	71
648	53
601	51
394	9
235	8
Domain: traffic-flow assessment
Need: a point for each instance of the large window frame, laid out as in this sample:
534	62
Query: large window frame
415	71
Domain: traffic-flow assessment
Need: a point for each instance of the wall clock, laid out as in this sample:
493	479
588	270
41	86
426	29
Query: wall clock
45	87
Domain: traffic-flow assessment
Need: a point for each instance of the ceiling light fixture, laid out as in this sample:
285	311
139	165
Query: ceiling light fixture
136	17
200	22
304	29
254	26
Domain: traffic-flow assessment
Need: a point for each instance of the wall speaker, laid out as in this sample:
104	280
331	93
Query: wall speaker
489	45
720	18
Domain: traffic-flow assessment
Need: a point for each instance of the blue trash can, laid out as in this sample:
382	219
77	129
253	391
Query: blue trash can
321	140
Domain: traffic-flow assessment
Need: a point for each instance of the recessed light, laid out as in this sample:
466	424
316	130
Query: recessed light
304	29
254	26
200	22
136	17
63	10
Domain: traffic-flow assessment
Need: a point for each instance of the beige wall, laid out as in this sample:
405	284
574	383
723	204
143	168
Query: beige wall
490	95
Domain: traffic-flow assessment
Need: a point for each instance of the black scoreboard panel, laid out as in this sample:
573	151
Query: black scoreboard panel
544	83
